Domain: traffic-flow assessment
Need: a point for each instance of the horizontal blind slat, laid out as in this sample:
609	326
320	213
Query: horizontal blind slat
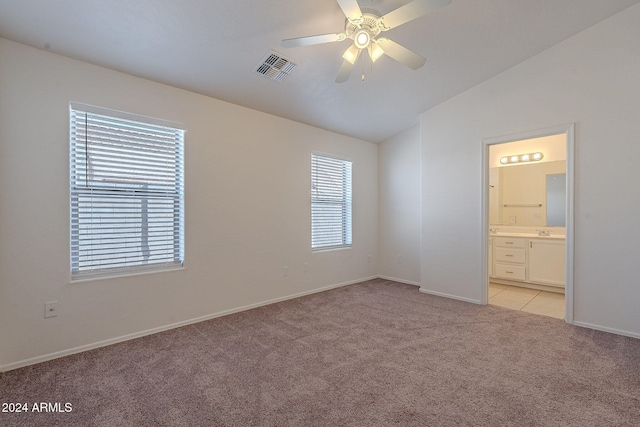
127	194
330	202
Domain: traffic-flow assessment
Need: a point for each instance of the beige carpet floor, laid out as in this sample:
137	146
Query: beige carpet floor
377	353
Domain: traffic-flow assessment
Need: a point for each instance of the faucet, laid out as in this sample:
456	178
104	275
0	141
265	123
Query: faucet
544	232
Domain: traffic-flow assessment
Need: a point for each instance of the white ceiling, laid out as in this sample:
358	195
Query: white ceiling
212	47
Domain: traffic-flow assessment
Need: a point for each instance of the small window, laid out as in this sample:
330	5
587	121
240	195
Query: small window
127	193
330	203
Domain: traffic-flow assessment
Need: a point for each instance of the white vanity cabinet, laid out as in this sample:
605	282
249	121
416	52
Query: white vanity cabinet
509	255
531	262
546	261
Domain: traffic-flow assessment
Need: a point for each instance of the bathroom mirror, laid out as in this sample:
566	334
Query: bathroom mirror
556	196
531	194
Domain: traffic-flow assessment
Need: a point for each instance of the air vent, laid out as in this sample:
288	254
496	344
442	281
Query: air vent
275	67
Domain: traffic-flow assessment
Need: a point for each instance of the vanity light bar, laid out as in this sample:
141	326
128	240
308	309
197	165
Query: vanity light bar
521	158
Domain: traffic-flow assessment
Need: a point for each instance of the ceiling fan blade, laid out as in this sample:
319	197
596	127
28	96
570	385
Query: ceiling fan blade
311	40
350	8
401	53
345	71
411	11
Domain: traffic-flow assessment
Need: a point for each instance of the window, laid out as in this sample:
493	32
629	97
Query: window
127	193
330	203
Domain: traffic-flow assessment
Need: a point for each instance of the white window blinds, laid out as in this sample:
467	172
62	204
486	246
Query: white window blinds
330	202
127	197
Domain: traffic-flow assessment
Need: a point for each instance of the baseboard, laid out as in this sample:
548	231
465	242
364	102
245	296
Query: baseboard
605	329
394	279
92	346
456	297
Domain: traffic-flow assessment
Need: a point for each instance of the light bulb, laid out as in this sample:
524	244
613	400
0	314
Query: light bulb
362	39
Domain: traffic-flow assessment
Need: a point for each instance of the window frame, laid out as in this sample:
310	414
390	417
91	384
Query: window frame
118	191
346	202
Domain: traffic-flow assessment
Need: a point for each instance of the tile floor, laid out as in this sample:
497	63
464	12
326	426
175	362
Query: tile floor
529	300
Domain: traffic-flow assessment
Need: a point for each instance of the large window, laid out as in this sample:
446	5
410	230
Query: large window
330	202
127	198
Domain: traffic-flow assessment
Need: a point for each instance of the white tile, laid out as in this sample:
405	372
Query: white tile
529	300
512	298
548	300
494	292
517	291
495	289
498	286
544	311
550	297
514	305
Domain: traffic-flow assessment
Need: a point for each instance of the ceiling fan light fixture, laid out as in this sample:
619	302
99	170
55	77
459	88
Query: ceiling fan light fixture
351	54
363	25
362	39
375	51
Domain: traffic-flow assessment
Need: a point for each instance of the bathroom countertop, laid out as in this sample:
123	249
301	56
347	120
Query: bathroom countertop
528	235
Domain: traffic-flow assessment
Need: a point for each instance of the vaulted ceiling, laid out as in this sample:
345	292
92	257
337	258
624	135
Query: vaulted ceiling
213	46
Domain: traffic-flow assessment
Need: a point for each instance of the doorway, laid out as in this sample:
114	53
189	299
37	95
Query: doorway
528	217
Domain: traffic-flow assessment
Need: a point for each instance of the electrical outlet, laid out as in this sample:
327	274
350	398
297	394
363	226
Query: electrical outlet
399	259
285	271
368	258
305	267
51	309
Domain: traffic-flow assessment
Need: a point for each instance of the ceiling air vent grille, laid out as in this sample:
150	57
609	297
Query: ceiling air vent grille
275	67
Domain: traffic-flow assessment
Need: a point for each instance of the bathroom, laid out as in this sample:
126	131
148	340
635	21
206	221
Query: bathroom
527	202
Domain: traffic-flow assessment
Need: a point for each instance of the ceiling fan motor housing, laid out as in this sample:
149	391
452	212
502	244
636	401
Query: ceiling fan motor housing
363	30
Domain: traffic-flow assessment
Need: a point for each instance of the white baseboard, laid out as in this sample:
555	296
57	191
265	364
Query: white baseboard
456	297
92	346
393	279
605	329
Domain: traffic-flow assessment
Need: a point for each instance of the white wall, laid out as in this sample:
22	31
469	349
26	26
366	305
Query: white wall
590	79
247	210
399	207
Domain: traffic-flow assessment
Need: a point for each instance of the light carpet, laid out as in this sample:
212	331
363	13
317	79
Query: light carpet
377	353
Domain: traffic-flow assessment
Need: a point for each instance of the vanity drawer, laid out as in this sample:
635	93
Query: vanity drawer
510	255
514	272
510	242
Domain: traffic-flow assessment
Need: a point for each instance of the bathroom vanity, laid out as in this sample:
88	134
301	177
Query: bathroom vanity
533	259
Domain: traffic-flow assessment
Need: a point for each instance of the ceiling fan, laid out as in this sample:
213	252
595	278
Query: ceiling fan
364	25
